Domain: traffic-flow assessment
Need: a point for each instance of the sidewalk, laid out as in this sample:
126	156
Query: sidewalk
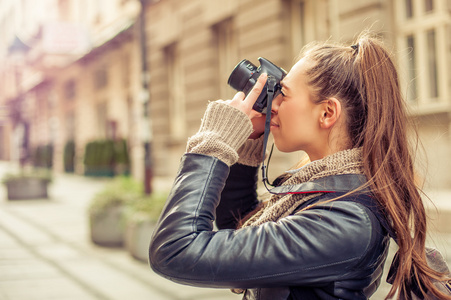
45	252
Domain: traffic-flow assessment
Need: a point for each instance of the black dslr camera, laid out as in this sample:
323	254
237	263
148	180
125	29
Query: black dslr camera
245	75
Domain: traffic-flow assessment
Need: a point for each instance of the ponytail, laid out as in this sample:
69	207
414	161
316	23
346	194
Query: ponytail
364	78
388	165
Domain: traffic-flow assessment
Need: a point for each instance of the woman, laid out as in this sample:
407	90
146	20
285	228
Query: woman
343	107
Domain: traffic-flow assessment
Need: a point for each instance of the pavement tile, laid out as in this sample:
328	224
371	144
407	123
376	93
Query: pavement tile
18	270
58	288
9	254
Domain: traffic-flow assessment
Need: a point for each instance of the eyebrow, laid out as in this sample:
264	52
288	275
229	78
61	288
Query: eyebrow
283	85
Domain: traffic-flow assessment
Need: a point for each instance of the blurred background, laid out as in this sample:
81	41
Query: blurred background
95	89
141	72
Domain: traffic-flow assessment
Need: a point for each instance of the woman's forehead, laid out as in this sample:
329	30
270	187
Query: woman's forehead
296	72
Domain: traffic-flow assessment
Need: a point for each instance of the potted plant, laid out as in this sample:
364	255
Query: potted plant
27	184
106	211
140	218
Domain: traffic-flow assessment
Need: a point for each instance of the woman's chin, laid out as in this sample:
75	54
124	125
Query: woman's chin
282	148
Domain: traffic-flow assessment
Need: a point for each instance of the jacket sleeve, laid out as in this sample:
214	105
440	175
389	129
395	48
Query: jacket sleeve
314	246
239	196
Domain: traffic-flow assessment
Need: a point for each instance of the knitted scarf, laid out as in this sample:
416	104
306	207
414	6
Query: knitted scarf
280	206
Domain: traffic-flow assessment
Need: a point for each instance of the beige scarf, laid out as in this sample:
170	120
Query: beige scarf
280	206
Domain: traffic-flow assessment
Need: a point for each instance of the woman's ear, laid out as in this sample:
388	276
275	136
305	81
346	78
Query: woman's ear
330	113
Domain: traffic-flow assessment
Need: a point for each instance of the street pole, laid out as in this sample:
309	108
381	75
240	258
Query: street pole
18	51
148	174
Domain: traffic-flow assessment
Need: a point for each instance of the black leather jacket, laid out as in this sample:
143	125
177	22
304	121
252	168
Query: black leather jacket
332	251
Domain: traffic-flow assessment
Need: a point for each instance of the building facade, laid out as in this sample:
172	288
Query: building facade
194	45
90	86
70	73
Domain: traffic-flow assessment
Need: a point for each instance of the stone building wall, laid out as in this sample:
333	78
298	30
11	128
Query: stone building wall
194	31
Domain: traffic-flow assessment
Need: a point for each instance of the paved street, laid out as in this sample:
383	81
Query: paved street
45	252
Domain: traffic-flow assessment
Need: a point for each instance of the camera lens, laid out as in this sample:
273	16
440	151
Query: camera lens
241	75
245	75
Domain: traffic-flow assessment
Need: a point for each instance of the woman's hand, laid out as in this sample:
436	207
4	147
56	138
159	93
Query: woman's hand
245	104
258	123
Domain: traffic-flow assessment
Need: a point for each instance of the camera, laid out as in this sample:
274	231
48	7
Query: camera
245	75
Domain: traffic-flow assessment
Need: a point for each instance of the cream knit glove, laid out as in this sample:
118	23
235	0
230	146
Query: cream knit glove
251	153
224	129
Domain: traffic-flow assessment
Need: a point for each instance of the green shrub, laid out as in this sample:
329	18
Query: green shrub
121	152
106	158
146	207
69	157
40	173
120	191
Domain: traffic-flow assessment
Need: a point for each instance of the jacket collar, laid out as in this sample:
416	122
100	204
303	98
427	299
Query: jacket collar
330	184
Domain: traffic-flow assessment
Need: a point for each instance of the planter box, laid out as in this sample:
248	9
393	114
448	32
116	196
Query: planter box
137	238
106	228
99	171
27	188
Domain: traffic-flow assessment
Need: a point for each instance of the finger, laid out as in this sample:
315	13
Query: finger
255	114
256	90
227	102
239	96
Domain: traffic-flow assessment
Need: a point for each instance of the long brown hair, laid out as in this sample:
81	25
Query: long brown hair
364	79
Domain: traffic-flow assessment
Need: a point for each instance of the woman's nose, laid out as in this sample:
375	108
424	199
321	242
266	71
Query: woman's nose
276	104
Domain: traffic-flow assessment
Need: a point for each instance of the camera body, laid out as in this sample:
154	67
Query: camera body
245	75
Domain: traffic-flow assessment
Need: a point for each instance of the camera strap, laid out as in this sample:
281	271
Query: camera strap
270	89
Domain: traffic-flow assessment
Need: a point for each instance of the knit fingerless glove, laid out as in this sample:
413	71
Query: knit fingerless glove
224	133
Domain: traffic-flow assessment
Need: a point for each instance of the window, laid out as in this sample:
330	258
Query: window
101	111
428	5
64	10
101	78
98	10
70	126
422	46
411	69
176	90
4	113
126	70
303	19
51	98
297	26
226	45
70	90
409	9
432	64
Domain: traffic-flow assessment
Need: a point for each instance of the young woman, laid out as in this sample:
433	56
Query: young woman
324	240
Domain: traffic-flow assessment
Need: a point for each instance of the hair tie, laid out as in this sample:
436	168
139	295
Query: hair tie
355	47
